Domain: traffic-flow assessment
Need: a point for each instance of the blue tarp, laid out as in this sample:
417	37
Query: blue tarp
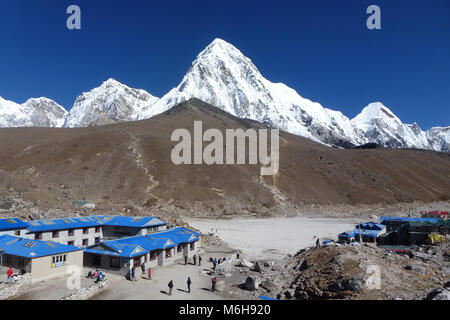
367	233
32	248
348	234
12	224
266	298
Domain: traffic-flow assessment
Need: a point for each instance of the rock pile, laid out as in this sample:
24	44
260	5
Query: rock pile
16	287
89	292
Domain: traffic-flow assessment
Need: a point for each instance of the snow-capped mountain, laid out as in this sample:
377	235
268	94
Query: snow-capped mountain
35	112
439	138
111	102
221	75
380	125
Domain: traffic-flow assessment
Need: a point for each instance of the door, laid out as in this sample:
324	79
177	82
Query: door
96	260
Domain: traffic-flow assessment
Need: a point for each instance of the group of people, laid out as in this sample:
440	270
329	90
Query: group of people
194	259
97	275
133	272
215	262
189	283
10	274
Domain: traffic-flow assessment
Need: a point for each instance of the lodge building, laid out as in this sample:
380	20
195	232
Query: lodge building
46	247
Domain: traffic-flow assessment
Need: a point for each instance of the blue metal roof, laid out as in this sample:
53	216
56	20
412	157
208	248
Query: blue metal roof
178	235
405	219
370	226
92	221
129	247
126	221
61	224
32	248
12	224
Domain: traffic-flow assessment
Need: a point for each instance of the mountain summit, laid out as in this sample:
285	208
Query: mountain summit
35	112
221	75
111	102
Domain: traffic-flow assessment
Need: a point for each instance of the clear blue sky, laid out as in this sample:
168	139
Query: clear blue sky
320	48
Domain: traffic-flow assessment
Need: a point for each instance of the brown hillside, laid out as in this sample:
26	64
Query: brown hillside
130	163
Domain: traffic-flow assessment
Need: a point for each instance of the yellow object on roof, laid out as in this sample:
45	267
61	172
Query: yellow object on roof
434	238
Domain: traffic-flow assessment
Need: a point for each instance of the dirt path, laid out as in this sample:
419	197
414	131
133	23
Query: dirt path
137	155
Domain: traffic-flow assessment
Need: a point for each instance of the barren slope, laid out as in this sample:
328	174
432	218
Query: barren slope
130	163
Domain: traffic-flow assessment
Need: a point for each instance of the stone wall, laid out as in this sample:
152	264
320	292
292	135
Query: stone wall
88	292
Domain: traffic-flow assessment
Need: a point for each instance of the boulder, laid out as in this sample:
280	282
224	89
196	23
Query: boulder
252	283
259	267
415	268
355	284
439	294
245	263
220	286
268	264
271	286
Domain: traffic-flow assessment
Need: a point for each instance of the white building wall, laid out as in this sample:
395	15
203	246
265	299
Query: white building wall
77	236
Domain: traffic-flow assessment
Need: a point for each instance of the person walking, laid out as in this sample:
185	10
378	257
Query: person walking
189	282
199	260
9	273
214	262
213	284
149	273
170	285
143	269
185	260
318	242
195	259
133	274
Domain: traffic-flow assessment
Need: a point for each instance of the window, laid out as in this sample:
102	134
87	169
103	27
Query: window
55	234
97	239
59	260
71	243
38	236
71	232
97	229
192	246
85	242
168	253
85	230
17	233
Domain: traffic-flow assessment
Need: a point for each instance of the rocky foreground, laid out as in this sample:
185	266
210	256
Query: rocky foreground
342	272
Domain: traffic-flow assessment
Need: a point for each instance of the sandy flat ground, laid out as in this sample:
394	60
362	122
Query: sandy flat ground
273	238
156	289
54	289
